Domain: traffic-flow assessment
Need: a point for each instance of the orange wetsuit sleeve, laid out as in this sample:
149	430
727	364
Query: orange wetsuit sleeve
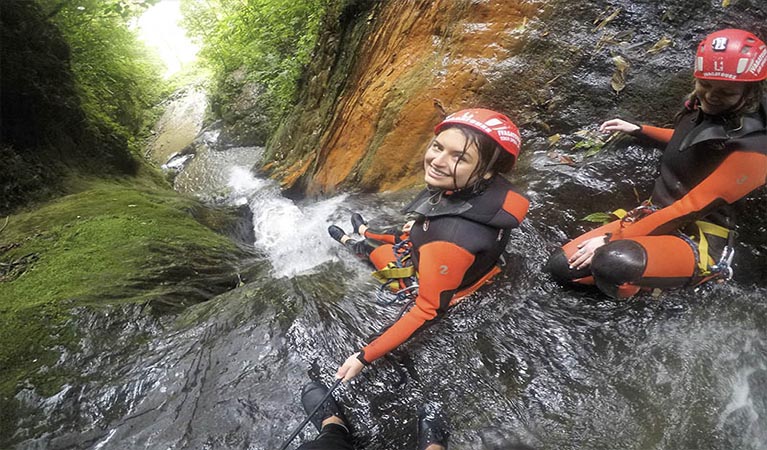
657	133
739	174
441	268
386	238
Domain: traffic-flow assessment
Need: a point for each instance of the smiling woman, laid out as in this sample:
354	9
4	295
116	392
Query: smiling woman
715	157
159	29
461	224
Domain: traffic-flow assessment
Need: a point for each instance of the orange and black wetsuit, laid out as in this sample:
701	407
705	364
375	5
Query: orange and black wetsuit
707	166
457	240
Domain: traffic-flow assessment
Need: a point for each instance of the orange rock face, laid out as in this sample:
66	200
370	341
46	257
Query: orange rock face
418	60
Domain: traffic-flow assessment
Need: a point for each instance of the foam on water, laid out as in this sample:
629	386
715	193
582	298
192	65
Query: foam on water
294	237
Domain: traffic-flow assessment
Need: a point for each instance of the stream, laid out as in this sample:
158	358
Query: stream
523	360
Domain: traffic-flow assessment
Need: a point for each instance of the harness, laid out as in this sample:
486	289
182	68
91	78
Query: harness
707	267
710	269
628	217
399	280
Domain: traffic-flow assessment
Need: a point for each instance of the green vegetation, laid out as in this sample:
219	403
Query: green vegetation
117	77
78	90
266	42
112	242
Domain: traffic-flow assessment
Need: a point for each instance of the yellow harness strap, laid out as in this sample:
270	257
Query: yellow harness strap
704	228
391	271
619	213
704	260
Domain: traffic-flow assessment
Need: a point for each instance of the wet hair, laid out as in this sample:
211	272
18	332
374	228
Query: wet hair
492	158
752	97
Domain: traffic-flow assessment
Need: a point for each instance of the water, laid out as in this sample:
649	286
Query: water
295	237
524	360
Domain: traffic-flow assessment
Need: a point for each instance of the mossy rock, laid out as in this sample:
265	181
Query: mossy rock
112	243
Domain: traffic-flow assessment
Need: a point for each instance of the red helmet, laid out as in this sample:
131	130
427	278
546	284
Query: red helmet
731	55
499	127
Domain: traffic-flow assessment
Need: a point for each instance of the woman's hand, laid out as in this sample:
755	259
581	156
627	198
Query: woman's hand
408	225
350	368
618	125
582	258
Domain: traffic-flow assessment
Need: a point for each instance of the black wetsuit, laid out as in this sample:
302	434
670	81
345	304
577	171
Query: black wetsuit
332	437
708	165
457	240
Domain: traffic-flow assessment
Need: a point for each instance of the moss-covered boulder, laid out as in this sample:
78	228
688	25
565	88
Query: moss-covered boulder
112	243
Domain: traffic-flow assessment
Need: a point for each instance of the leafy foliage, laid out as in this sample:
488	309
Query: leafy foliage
600	218
117	79
77	89
267	42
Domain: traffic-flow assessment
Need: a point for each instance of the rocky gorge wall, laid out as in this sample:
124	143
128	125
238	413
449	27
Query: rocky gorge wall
380	85
387	71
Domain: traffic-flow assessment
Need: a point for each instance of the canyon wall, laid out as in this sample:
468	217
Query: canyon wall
385	72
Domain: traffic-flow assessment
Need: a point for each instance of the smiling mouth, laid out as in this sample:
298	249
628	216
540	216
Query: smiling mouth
438	172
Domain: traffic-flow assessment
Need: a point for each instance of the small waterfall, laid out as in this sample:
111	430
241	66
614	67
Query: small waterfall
293	235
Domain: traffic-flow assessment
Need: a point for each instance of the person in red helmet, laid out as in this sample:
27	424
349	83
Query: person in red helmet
715	156
462	224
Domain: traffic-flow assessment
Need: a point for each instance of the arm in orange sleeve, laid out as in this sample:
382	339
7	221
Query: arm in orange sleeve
656	133
738	175
387	238
441	268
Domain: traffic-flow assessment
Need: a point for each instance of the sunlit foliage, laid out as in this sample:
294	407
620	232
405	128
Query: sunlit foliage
118	79
270	41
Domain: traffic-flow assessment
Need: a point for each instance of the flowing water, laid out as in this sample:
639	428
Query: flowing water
524	360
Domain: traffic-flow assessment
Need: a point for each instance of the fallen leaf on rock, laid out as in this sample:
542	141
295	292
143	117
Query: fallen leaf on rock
564	159
618	81
599	217
606	20
660	45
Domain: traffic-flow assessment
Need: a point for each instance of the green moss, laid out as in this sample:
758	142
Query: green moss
112	242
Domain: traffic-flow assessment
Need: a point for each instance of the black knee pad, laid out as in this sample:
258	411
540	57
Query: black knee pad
618	263
560	270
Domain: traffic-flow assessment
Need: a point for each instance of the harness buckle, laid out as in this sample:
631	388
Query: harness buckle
398	273
645	209
723	269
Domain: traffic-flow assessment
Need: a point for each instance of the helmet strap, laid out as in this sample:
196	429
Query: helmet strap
496	154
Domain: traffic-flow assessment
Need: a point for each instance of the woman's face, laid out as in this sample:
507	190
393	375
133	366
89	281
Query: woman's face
719	96
445	164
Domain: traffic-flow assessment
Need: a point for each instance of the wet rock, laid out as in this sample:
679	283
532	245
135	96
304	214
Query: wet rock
179	125
363	121
245	119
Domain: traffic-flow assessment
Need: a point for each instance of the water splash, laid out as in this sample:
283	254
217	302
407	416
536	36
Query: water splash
293	235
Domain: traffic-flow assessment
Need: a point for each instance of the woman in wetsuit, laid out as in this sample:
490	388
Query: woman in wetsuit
715	156
462	223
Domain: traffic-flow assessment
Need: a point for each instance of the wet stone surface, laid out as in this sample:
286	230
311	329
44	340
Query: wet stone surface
524	360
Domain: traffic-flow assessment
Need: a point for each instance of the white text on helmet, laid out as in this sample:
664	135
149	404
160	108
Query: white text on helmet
720	75
719	44
758	64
